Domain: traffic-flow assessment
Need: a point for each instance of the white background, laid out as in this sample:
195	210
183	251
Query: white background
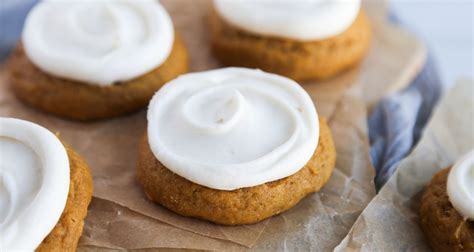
446	26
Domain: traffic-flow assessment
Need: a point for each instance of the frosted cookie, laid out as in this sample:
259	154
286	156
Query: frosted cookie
45	189
233	146
88	60
303	40
447	207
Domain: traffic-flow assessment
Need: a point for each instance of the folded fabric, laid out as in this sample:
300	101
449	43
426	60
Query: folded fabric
12	17
397	122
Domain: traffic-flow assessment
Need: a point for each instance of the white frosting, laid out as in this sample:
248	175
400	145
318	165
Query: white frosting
98	42
301	19
34	183
233	127
461	186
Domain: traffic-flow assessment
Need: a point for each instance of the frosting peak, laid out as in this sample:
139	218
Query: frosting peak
301	19
233	127
98	42
460	185
215	110
34	183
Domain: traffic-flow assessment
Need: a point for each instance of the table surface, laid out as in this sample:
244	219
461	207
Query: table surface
447	28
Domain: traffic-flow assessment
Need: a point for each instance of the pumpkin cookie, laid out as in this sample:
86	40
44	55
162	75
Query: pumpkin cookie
233	146
239	40
97	68
79	101
241	206
45	185
445	228
65	235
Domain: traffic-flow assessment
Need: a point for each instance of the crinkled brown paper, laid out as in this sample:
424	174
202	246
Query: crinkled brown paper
121	217
391	221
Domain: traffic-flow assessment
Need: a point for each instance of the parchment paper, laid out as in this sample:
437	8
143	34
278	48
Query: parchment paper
391	221
121	217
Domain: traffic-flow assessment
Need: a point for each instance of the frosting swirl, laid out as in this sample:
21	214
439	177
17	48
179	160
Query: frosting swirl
34	183
301	20
233	127
98	42
460	186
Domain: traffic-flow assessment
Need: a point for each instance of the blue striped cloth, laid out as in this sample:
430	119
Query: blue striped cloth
394	127
12	15
397	122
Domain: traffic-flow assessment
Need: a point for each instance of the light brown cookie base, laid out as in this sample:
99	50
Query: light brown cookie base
68	230
444	227
81	101
241	206
298	60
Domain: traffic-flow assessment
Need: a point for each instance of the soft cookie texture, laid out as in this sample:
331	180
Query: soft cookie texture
65	235
298	60
444	227
81	101
240	206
